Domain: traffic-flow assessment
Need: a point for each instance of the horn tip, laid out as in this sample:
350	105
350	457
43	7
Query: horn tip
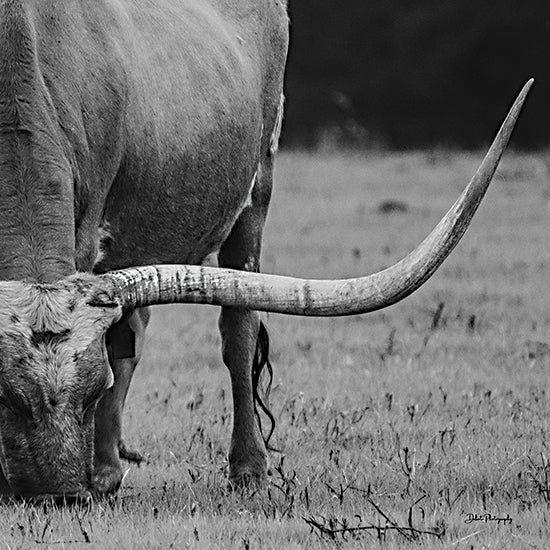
520	100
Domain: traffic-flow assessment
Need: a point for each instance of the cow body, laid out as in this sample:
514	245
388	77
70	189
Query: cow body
158	113
135	132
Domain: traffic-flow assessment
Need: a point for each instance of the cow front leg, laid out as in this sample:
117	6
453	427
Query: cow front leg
125	346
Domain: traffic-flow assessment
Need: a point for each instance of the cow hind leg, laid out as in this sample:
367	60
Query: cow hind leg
245	344
125	346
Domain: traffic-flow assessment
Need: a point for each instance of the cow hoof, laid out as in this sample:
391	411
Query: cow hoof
107	479
129	454
248	479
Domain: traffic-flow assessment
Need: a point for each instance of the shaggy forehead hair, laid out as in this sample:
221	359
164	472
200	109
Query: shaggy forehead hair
53	322
32	308
40	309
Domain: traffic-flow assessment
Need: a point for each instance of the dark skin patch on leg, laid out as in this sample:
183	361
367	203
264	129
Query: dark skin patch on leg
121	341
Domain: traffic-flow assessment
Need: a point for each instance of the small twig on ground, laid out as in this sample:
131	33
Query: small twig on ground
323	526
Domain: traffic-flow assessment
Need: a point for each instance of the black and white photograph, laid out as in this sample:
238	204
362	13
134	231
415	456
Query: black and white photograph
274	274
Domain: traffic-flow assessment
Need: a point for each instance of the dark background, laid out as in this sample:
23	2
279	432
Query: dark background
415	73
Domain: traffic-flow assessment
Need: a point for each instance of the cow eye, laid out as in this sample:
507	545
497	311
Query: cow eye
102	299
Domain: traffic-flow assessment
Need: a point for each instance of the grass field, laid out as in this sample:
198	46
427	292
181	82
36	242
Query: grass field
394	428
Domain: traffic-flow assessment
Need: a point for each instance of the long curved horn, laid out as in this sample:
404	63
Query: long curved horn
167	284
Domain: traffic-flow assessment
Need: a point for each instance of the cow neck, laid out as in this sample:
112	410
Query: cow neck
36	184
36	214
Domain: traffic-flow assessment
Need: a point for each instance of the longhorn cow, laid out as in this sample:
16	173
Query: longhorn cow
135	133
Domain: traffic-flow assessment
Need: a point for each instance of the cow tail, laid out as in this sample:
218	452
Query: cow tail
262	379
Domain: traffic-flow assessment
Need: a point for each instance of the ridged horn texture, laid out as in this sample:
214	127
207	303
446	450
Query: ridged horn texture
168	284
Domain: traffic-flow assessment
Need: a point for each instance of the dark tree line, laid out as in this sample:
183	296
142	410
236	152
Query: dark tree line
410	73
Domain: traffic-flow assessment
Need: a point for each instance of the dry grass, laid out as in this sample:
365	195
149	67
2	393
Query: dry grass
394	426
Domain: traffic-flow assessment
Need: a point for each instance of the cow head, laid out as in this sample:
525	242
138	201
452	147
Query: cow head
53	370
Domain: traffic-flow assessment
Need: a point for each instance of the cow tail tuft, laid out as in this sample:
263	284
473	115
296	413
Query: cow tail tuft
262	379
